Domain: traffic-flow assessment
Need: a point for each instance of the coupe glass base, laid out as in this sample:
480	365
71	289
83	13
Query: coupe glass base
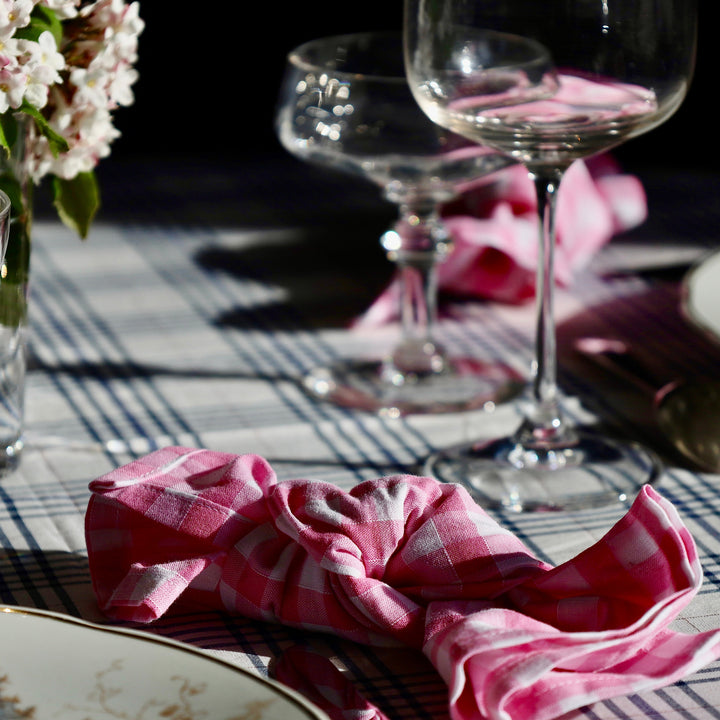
592	472
377	386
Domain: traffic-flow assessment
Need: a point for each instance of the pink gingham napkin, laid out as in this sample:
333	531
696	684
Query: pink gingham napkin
406	560
319	680
494	231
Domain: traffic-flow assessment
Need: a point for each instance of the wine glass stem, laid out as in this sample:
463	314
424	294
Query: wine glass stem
543	426
418	241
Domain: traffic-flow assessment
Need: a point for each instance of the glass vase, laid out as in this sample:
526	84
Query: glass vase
15	181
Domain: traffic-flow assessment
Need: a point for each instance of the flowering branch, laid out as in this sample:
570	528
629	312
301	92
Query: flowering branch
68	65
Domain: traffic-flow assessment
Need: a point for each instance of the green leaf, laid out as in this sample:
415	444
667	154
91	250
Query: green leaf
13	304
43	19
4	142
10	185
16	268
58	144
8	131
77	201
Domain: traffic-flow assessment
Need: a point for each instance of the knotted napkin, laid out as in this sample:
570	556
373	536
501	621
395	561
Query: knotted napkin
494	228
402	559
319	680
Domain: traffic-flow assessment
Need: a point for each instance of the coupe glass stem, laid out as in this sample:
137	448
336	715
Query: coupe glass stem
418	241
543	427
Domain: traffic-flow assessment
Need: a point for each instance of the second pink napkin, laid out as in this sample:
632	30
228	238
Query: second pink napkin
494	230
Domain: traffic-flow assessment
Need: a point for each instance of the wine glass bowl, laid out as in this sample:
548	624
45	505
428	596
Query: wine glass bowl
511	93
548	84
345	104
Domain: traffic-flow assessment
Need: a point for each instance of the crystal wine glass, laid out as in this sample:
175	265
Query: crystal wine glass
345	103
547	83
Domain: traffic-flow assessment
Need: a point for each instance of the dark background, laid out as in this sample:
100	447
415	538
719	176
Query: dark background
208	80
198	150
198	145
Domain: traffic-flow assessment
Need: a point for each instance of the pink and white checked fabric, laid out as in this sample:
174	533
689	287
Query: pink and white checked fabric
319	680
407	560
494	230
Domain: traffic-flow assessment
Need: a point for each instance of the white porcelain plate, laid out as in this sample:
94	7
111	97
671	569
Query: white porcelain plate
701	295
53	666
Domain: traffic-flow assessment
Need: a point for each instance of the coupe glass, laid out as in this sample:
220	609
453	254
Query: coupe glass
547	83
345	103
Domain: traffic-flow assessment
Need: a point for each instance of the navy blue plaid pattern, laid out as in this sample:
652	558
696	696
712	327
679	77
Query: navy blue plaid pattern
136	342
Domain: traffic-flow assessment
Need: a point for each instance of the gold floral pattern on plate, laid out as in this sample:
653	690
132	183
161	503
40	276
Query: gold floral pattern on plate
54	666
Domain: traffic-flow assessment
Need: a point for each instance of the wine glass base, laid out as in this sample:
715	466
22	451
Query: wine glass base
375	386
593	472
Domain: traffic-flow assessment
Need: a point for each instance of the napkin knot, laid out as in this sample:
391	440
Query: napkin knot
220	529
407	560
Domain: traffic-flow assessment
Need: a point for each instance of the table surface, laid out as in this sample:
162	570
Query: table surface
191	325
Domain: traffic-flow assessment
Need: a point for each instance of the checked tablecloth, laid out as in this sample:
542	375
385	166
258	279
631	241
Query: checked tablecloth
156	334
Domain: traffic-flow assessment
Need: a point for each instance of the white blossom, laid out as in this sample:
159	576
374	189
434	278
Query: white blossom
77	85
64	9
44	60
13	83
120	86
14	14
90	87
